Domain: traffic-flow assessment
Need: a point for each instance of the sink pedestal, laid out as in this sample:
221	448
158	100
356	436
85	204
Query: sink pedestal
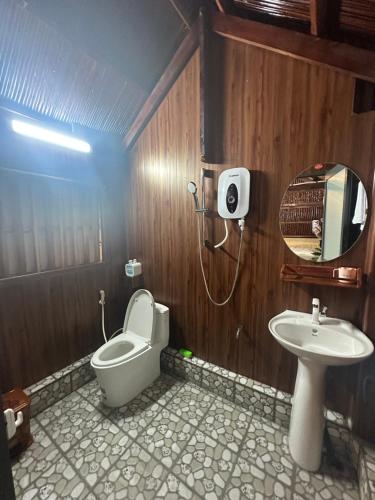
307	419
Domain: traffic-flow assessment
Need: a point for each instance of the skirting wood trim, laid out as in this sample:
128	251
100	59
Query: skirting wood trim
170	75
342	57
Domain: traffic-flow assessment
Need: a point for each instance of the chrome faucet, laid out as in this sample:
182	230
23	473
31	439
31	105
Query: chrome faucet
316	311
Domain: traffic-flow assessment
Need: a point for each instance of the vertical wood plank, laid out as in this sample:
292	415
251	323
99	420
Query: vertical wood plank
280	115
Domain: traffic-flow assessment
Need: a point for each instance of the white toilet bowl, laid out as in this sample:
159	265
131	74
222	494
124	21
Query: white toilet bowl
130	362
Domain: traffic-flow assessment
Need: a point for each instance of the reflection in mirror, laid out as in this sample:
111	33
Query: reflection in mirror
323	212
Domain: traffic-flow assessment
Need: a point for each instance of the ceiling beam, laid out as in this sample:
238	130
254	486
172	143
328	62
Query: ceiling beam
170	75
224	6
319	19
180	14
324	17
353	61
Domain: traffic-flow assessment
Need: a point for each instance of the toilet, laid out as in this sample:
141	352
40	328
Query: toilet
130	362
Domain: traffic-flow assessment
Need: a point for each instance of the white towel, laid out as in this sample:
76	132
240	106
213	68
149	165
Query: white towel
360	211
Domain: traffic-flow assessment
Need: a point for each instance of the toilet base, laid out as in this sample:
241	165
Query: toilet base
122	383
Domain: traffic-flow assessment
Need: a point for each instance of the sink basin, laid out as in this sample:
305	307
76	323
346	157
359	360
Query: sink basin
333	342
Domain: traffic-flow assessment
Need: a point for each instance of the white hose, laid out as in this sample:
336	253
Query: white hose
103	324
115	333
225	237
102	302
204	276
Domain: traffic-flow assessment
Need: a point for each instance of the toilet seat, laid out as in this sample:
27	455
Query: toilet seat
124	347
137	336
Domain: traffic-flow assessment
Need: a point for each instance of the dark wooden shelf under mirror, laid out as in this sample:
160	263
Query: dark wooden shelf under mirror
342	277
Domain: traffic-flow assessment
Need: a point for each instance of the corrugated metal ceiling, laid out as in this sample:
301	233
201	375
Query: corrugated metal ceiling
91	62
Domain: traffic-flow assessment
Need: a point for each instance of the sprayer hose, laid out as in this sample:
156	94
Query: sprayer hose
203	273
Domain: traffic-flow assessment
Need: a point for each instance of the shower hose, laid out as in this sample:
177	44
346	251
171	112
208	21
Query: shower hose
219	304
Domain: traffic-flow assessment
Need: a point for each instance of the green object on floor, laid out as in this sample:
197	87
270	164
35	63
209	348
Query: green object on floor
186	353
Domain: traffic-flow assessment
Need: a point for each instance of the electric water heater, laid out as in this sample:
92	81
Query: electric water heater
234	193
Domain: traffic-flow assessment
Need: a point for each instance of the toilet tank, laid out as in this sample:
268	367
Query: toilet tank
162	325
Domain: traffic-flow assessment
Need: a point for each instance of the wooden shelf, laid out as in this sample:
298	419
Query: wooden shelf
341	277
291	206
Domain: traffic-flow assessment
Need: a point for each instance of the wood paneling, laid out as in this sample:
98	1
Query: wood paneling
280	115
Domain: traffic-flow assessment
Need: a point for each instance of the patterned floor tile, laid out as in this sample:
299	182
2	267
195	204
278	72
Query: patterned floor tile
266	448
166	362
151	448
133	417
325	485
259	403
174	489
226	423
49	394
369	459
82	375
364	487
163	389
68	425
35	460
205	466
248	481
93	394
57	482
217	384
165	437
135	475
282	414
188	371
98	451
191	403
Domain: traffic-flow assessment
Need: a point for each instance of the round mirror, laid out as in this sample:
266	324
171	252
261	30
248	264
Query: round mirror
323	212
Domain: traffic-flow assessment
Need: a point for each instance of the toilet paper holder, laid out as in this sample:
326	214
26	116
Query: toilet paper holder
12	422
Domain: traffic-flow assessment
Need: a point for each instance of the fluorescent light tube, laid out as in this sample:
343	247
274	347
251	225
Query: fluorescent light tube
46	135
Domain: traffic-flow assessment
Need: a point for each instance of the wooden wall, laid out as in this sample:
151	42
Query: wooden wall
50	320
278	116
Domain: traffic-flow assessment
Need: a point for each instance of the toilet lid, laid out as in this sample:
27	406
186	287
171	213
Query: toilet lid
140	315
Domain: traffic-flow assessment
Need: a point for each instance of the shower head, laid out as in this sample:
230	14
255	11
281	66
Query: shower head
192	188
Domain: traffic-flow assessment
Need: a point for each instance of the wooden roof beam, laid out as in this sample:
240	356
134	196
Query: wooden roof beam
224	6
180	14
324	17
356	62
170	75
318	17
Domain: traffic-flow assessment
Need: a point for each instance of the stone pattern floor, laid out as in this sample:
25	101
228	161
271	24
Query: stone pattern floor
174	441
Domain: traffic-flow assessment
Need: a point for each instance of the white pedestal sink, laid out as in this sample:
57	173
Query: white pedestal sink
333	342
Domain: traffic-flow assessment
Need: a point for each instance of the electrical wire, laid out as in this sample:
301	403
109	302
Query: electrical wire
219	304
